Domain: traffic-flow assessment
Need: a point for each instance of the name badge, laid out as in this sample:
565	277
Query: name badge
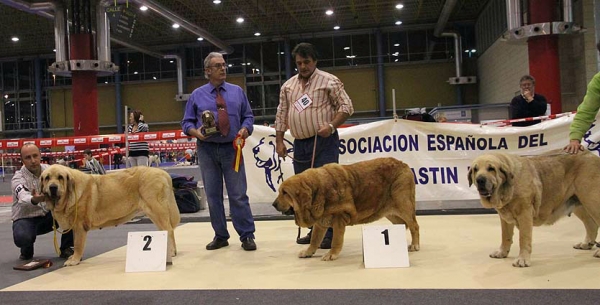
302	103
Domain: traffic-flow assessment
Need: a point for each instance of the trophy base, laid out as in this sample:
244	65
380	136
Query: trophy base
210	131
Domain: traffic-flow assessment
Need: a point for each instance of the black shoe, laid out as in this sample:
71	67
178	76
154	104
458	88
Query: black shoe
248	244
66	253
25	257
217	243
326	243
304	240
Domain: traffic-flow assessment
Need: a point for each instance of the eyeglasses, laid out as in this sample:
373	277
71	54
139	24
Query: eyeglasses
219	66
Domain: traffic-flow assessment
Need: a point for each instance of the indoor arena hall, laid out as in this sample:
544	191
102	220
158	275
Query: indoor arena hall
187	150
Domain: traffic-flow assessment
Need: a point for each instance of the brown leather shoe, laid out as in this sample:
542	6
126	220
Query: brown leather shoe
217	243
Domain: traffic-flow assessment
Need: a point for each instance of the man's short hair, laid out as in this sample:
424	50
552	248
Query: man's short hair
88	152
27	145
529	78
208	58
305	50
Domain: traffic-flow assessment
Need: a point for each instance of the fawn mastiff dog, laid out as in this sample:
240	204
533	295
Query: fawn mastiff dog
343	195
535	191
84	202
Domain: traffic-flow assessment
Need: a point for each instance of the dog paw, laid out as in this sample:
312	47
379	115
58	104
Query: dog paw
413	248
329	256
583	246
71	262
521	262
305	254
499	254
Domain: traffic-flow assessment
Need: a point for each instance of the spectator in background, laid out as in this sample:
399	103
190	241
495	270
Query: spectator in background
90	163
138	151
528	103
117	158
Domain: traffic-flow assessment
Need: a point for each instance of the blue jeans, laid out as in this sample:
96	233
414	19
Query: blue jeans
327	151
216	162
25	231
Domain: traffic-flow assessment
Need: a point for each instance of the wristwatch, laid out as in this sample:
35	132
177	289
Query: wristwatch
332	128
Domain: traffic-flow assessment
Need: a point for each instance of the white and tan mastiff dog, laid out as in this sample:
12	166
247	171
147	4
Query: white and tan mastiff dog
84	202
535	191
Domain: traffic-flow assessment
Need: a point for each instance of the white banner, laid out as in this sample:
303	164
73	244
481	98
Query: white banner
438	153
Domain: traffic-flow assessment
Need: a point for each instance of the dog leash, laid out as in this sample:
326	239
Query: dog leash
56	248
312	165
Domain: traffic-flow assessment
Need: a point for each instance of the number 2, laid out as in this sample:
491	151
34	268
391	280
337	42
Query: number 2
386	237
148	240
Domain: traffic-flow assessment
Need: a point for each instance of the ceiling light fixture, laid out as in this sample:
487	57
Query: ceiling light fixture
257	34
240	20
143	8
337	27
399	6
200	38
15	39
328	12
346	48
217	1
175	25
398	22
396	45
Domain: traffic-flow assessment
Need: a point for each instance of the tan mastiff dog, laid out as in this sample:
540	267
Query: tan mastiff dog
84	202
535	191
344	195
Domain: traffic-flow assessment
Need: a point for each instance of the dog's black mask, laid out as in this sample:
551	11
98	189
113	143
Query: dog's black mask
290	211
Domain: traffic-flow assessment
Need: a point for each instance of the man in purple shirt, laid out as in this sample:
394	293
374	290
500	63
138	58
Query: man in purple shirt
216	153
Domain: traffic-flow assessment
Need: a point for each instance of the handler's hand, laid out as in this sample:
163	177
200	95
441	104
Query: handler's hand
574	147
324	131
281	150
243	133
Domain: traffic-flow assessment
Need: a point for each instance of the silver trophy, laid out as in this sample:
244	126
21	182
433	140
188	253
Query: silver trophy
209	126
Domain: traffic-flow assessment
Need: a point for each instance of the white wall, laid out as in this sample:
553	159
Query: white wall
499	69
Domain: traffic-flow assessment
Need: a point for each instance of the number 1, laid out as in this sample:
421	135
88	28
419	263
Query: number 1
386	237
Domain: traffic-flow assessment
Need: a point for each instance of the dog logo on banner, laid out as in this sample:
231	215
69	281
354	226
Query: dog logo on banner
266	158
591	139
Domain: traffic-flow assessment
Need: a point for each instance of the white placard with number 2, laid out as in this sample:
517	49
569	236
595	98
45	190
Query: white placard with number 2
146	251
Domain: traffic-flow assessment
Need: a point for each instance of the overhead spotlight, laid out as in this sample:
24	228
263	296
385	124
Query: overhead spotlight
217	1
239	20
230	65
15	39
396	45
257	34
346	48
200	38
399	6
6	96
473	50
154	77
466	51
170	61
106	82
135	72
143	8
328	12
54	50
398	22
337	27
175	25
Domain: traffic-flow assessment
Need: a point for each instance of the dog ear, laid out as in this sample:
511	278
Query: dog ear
505	191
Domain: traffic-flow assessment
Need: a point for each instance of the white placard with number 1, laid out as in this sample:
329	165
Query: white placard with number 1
146	251
385	246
